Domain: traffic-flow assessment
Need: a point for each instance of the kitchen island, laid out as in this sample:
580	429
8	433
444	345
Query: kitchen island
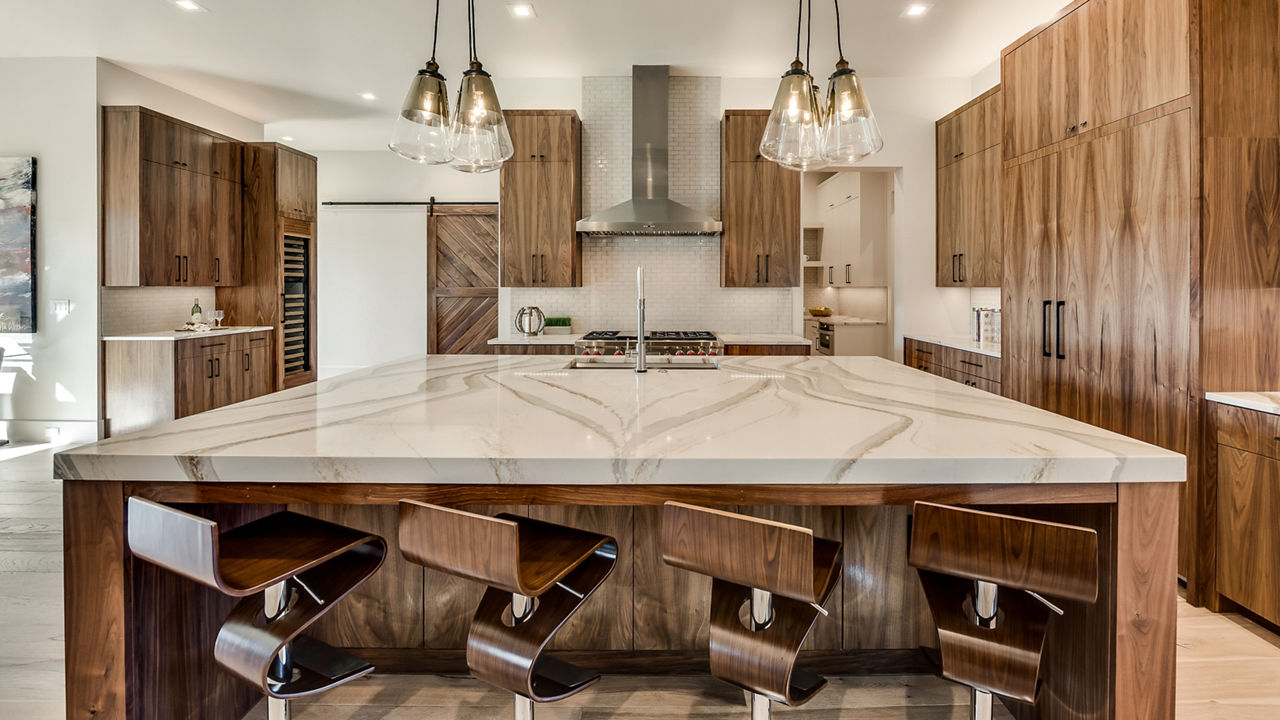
841	444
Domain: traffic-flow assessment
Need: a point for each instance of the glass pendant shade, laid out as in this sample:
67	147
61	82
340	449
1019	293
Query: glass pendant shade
478	137
422	130
793	135
850	132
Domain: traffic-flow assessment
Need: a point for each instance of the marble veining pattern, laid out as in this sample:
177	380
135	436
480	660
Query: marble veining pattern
1267	402
528	419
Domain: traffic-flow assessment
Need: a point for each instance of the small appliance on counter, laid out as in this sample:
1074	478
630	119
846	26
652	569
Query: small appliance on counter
984	325
530	321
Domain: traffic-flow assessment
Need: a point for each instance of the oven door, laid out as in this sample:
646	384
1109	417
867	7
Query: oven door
826	342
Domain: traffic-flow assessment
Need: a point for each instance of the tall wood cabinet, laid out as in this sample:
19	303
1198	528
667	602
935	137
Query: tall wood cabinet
171	202
969	235
760	209
540	200
278	287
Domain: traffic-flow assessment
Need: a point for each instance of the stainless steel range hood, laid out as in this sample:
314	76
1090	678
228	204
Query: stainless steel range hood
649	211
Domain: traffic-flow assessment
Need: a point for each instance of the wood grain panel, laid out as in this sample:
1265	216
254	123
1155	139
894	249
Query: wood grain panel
988	262
884	605
735	349
532	349
1030	207
523	128
558	137
1240	64
743	130
742	262
672	606
825	522
950	224
139	384
521	208
605	622
462	278
94	600
1249	512
559	260
387	609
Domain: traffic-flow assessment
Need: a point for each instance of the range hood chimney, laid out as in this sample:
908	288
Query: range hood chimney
650	211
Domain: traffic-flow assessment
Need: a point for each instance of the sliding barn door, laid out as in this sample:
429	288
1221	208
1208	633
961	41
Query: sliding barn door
462	278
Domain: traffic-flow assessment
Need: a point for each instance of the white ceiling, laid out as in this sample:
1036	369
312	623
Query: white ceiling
292	60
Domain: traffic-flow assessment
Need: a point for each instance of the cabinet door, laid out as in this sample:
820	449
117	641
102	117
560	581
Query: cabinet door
164	225
558	250
195	387
224	269
1248	513
518	223
992	120
524	130
989	246
972	128
257	367
1137	56
969	243
742	136
949	225
1124	278
557	138
1041	88
296	185
1030	211
742	259
948	141
225	160
164	142
780	224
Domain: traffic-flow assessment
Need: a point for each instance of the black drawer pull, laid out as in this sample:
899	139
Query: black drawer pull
967	362
213	345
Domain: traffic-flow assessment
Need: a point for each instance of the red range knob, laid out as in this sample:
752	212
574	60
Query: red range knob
702	352
618	352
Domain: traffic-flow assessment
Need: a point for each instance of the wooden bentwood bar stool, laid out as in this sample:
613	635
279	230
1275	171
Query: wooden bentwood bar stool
289	569
769	582
965	559
538	574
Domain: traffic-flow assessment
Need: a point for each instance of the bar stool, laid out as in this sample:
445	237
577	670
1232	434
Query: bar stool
538	574
289	568
965	559
769	582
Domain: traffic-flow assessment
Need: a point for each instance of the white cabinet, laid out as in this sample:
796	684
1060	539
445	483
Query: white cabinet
850	255
811	330
861	340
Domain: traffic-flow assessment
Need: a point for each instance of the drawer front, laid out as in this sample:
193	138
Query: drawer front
1249	430
252	341
984	366
201	347
1248	512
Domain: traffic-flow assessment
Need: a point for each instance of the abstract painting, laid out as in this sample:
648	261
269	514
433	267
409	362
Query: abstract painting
17	244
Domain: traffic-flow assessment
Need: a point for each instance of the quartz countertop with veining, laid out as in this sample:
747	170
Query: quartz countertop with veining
1267	402
175	335
959	342
459	419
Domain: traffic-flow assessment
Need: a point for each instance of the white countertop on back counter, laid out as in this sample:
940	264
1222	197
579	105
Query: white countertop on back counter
486	419
728	338
959	342
1267	402
172	335
843	320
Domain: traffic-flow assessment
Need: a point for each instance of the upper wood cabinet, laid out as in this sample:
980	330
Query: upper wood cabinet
760	208
171	202
1102	61
541	135
969	233
295	184
540	201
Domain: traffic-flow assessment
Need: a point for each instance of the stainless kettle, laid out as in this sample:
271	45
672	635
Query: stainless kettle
530	320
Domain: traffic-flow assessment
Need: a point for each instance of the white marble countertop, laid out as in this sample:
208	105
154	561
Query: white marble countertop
960	342
1267	402
172	335
843	320
468	419
728	338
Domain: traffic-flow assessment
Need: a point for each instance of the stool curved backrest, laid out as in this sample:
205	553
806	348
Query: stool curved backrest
751	552
1043	557
177	541
476	547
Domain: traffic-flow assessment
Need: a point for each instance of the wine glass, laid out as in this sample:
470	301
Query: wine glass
217	316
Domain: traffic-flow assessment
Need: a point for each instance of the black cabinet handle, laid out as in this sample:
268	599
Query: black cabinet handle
954	276
958	155
246	362
217	269
757	267
543	260
178	259
1044	329
533	157
1071	128
767	257
848	276
961	257
186	267
213	345
969	362
210	375
831	274
217	367
533	267
1083	123
1058	330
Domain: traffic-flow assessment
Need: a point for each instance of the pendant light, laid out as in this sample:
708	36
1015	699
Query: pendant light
421	133
478	137
850	132
793	135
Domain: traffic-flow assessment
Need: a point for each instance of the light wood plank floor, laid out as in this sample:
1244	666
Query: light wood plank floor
1228	667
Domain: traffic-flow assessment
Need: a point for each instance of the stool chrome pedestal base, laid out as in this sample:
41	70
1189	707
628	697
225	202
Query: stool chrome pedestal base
761	616
276	603
984	605
521	609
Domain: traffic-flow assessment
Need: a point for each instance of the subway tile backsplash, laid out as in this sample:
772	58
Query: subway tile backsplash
682	274
129	310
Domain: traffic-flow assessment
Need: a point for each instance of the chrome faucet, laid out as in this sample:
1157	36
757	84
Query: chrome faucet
641	349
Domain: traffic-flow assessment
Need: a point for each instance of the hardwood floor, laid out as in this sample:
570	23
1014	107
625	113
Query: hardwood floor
1228	667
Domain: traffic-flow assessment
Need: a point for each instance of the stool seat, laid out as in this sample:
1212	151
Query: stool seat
313	563
556	568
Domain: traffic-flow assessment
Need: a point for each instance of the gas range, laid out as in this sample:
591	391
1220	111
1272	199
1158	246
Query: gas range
658	342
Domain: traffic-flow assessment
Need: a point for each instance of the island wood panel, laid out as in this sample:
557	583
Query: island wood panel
884	604
826	523
1249	511
96	618
139	387
1030	264
672	606
605	621
387	609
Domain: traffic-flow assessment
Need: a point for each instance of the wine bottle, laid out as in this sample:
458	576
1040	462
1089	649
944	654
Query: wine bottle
197	315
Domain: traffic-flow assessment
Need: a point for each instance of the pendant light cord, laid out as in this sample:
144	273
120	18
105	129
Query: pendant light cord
839	43
808	43
799	25
471	26
435	32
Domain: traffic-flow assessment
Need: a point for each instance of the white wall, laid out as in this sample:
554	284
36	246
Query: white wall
50	378
118	86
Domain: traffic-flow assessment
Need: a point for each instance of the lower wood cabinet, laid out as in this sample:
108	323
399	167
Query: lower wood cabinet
969	368
531	349
1248	556
766	349
149	381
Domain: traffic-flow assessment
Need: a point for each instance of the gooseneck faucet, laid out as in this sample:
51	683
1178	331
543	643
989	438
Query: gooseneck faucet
640	344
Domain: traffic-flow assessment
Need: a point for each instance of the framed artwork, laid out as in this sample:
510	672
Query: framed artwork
17	244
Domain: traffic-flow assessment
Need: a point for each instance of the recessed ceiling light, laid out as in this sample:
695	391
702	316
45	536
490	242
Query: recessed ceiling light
522	10
368	96
286	138
190	5
915	10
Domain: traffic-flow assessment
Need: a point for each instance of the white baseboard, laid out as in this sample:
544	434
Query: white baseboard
61	432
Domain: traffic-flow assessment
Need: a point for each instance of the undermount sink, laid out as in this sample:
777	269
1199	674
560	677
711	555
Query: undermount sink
655	363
